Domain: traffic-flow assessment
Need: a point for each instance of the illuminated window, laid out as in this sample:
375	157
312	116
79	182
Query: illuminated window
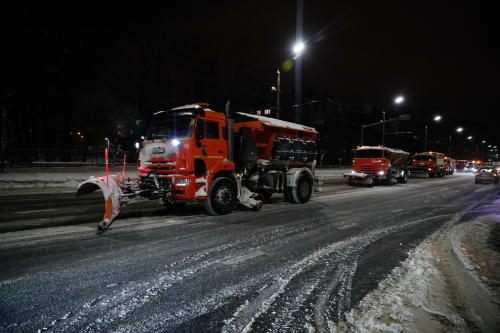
267	111
258	112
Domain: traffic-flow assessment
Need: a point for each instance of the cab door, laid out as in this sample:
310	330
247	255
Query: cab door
211	146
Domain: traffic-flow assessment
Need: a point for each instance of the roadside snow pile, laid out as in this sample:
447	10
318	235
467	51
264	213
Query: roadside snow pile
53	177
432	291
38	180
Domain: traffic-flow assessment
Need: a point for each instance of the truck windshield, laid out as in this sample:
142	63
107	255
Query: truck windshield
423	158
172	128
368	153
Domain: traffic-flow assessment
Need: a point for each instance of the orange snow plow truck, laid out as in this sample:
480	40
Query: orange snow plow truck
194	154
428	164
372	164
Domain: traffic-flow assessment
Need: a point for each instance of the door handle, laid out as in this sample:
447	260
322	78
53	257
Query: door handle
220	151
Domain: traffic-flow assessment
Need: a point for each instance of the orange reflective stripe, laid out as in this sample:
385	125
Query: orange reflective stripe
203	156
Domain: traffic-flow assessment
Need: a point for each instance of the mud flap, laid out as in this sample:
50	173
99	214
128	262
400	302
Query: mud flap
112	196
358	178
250	199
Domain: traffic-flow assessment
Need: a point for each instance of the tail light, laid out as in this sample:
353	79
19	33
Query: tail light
495	174
477	173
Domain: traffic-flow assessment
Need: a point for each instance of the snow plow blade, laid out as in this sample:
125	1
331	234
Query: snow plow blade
251	200
112	195
358	178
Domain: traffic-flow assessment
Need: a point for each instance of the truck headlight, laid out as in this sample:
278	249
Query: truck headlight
182	182
176	142
381	173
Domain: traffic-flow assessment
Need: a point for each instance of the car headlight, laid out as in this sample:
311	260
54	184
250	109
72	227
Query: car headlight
176	142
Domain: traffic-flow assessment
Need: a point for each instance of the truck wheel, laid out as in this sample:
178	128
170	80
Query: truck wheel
388	178
222	197
403	179
301	193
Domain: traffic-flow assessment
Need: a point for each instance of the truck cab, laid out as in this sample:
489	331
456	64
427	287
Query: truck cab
380	164
427	164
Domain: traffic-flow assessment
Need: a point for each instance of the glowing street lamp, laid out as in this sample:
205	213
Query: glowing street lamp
297	49
436	118
397	100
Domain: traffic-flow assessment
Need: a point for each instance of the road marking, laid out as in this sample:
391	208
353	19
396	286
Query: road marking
426	201
243	258
395	211
347	226
36	211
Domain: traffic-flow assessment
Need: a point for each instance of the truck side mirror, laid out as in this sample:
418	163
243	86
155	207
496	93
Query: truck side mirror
200	129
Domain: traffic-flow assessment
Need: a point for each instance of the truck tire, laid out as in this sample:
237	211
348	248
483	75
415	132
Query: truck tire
403	179
388	178
222	197
301	193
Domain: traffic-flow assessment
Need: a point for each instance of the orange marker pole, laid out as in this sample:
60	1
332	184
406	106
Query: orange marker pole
124	166
107	167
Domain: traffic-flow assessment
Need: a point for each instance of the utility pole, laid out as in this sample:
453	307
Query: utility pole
425	142
4	137
383	127
278	96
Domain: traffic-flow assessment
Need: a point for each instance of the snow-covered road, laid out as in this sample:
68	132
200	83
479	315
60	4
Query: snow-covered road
412	258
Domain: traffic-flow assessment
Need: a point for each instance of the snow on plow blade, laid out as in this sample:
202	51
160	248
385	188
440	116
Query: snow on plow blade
251	200
112	193
358	178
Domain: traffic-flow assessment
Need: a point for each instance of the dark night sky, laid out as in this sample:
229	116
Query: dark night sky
441	56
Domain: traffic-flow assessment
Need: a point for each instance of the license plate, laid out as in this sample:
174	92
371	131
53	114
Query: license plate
159	150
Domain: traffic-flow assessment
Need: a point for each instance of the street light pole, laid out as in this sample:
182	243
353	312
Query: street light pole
425	143
298	63
398	100
383	127
278	96
436	118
